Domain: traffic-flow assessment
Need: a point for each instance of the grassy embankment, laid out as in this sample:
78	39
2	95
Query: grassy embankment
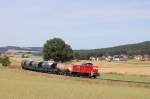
125	77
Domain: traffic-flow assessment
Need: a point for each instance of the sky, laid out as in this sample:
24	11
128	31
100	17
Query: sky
83	24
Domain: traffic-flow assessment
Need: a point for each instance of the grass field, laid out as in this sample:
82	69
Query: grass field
16	84
123	77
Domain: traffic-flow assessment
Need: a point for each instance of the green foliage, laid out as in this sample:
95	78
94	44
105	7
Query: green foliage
76	55
130	49
125	77
5	61
57	50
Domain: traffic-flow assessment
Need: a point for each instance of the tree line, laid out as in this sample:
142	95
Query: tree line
129	49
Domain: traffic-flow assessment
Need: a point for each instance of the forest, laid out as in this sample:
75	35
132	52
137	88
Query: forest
129	49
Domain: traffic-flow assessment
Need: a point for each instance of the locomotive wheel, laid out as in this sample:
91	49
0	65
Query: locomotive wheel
74	74
78	75
23	67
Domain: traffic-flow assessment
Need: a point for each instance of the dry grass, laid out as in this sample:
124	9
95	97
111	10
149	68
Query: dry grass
18	84
128	67
118	67
30	85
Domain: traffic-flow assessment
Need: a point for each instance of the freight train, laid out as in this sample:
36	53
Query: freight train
84	70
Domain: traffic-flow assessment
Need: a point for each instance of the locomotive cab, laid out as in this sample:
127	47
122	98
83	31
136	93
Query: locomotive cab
87	64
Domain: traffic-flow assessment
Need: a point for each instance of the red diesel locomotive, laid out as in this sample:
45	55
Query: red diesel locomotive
87	69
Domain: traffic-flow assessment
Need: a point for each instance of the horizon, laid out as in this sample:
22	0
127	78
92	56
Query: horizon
76	49
82	24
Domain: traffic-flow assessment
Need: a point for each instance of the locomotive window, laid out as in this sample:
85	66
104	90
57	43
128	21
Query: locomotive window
88	64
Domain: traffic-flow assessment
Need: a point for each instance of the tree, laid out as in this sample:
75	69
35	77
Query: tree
57	50
77	55
5	61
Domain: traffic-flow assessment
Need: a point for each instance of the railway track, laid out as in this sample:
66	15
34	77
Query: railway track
128	83
113	82
100	81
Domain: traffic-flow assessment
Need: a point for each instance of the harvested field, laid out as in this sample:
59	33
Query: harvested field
127	70
105	67
119	67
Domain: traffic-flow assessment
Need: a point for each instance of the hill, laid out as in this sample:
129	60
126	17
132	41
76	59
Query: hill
130	49
4	49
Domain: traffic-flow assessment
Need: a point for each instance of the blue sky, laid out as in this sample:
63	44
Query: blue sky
84	24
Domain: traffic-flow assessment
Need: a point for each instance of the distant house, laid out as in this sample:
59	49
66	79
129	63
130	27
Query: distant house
145	57
94	58
109	58
103	57
120	57
138	57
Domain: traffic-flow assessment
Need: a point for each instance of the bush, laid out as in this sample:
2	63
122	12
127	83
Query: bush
25	56
5	61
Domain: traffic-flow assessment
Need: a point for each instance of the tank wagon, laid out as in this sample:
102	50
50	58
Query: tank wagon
44	66
85	70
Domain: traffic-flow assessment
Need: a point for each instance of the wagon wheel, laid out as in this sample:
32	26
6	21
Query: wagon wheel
94	77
